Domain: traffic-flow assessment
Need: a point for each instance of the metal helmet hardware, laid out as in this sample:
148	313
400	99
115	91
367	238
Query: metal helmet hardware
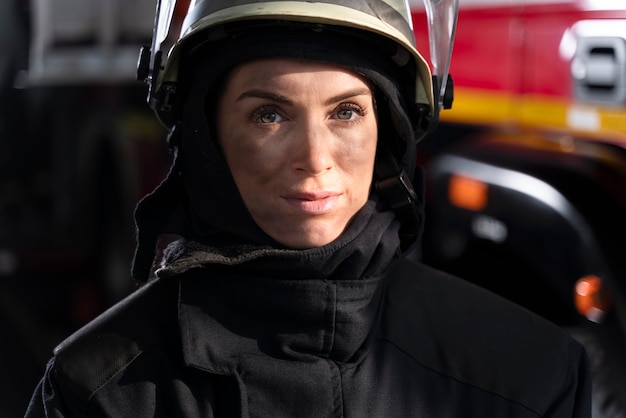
159	64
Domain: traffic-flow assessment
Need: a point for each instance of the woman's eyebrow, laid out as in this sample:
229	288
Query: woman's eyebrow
349	94
263	94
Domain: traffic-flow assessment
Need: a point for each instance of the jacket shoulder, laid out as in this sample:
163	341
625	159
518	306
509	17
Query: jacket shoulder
477	338
98	351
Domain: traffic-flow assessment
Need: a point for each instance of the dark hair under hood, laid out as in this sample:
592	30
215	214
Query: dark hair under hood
199	199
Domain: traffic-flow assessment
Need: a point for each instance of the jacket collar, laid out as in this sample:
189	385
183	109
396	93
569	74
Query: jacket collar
240	301
228	318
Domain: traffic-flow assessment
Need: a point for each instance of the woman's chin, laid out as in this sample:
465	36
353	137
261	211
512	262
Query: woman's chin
308	236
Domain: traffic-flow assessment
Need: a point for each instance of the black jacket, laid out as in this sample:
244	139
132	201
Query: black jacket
412	343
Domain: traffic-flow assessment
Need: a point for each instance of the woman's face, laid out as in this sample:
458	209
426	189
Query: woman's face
300	139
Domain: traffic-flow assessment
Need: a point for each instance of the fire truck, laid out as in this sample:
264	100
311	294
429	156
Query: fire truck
526	174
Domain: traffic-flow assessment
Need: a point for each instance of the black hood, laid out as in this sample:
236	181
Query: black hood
200	201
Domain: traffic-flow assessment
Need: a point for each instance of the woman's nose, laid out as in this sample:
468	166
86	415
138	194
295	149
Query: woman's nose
312	151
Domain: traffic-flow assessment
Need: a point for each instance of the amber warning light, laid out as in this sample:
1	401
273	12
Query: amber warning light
591	297
467	192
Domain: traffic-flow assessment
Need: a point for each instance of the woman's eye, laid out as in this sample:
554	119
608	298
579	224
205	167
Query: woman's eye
345	114
266	116
349	112
269	117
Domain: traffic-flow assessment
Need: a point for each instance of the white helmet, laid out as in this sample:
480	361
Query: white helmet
390	19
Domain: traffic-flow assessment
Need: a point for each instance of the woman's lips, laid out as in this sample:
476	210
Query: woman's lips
313	203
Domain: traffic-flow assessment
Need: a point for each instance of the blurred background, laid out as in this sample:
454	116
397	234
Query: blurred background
78	147
525	178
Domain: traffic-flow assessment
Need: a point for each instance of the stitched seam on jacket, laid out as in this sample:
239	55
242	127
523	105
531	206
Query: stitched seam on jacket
457	379
118	371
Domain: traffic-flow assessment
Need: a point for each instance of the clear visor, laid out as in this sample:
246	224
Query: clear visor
442	18
164	20
167	25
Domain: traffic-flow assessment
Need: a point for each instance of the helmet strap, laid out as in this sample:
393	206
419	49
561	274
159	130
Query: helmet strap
395	187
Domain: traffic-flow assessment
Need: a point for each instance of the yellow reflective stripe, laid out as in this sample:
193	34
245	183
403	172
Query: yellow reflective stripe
474	106
478	107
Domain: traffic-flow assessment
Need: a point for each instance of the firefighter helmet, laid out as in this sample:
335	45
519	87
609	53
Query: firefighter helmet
160	65
185	69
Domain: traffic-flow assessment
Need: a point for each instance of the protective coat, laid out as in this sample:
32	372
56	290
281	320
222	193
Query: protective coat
216	341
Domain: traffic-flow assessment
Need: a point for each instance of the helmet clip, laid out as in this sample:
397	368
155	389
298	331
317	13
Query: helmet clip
397	190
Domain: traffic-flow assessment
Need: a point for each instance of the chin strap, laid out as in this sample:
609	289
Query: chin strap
395	187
